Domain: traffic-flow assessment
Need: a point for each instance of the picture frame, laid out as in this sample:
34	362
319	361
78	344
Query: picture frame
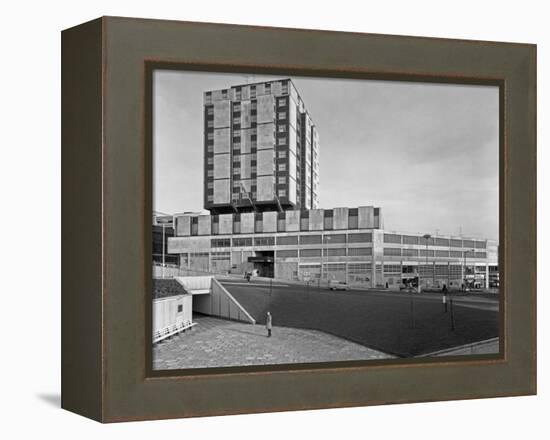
106	224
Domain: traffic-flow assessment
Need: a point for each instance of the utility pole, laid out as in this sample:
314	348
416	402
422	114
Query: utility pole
426	237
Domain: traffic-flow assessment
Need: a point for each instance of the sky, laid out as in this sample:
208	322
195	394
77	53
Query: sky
427	154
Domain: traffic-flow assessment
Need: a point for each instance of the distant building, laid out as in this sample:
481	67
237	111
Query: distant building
261	148
163	228
346	244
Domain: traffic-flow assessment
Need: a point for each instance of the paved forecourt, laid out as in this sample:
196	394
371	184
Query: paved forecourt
216	342
399	323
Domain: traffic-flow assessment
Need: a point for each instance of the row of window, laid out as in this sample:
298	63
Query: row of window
398	252
251	91
291	240
433	241
316	253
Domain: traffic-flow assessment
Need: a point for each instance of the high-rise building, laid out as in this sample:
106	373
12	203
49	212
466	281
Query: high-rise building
261	149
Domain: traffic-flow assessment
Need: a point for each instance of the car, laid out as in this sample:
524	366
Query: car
337	285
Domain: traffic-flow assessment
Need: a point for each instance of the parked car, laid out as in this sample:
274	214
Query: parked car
337	285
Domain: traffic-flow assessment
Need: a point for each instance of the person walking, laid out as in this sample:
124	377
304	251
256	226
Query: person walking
268	324
444	291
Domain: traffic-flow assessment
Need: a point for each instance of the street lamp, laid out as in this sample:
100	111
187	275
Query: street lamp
426	237
326	239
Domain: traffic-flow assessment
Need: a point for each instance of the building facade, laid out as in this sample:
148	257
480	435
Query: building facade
261	149
345	244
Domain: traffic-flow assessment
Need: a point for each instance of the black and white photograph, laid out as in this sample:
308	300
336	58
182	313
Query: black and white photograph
303	220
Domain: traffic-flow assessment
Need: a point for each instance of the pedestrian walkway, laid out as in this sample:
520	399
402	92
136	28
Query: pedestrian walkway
219	343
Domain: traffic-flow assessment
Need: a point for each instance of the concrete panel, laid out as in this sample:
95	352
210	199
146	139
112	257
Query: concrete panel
205	225
183	225
316	219
292	114
366	217
269	221
266	109
222	166
292	140
265	188
221	191
246	166
222	114
221	140
277	88
247	223
292	190
292	221
265	162
246	141
340	218
178	245
225	224
291	165
245	93
266	136
245	114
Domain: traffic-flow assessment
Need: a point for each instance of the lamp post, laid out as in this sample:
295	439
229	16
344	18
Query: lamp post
326	239
426	237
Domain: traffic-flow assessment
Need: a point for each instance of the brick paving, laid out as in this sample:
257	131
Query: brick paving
219	343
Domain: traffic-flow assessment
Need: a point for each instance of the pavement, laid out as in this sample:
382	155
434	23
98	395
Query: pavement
217	342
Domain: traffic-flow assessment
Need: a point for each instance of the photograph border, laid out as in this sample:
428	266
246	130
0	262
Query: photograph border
106	290
291	71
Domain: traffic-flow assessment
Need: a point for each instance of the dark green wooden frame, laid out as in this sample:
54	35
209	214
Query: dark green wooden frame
106	212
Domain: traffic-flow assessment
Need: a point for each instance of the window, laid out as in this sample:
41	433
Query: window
282	167
210	136
220	242
242	241
281	141
264	241
281	154
287	241
359	252
392	238
281	128
180	308
456	243
310	239
281	101
334	238
281	192
410	252
410	239
290	253
338	252
392	252
281	180
365	237
310	253
210	124
444	254
210	110
267	88
281	115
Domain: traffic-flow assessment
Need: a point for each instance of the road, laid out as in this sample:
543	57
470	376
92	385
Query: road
397	323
